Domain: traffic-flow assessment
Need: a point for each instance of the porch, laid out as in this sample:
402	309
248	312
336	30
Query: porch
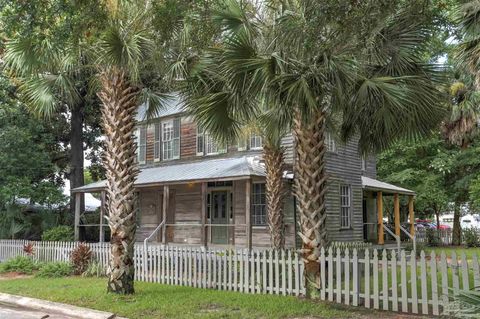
382	214
216	203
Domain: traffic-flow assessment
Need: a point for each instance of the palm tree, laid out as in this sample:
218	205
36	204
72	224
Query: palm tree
313	62
115	58
462	125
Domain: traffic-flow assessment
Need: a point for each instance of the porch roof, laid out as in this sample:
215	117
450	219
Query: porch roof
379	186
209	170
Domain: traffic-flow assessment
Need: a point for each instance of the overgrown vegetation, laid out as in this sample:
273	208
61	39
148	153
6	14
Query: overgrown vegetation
54	269
471	237
19	264
94	269
59	233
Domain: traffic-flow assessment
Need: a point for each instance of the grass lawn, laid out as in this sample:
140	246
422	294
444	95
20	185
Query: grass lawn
469	252
161	301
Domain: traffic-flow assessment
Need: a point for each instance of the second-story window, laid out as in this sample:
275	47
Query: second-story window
253	142
256	142
141	144
206	144
330	143
364	163
171	139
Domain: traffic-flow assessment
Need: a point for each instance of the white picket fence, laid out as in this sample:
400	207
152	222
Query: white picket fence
369	278
444	235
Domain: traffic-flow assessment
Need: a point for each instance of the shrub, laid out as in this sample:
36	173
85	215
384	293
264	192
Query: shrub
433	238
55	269
80	258
59	233
471	237
29	249
94	269
20	264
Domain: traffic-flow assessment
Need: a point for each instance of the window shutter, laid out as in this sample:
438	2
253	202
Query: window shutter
156	143
142	153
176	138
200	141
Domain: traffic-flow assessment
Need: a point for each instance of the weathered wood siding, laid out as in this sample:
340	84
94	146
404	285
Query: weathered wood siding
185	208
343	167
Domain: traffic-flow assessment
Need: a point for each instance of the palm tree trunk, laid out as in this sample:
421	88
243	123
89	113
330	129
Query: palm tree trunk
309	188
274	164
457	230
119	107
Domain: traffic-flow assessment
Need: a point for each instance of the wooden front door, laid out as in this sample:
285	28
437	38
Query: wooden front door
219	216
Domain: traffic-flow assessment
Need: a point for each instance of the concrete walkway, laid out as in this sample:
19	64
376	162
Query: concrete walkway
12	306
8	311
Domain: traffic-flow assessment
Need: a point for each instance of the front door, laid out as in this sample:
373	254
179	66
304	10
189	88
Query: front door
219	216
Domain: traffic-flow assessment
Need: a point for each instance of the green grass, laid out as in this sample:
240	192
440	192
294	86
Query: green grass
469	252
161	301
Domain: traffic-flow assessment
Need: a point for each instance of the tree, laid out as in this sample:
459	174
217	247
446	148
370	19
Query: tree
359	63
46	56
416	166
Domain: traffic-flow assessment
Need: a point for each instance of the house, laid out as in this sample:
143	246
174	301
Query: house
194	191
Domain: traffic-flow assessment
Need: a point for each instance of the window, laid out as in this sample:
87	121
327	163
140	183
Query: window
259	204
206	144
156	143
364	163
171	139
242	144
141	140
330	142
345	206
256	142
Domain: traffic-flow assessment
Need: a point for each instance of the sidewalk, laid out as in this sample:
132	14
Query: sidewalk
13	307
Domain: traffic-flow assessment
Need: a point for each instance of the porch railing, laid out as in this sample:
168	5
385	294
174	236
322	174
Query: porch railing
397	238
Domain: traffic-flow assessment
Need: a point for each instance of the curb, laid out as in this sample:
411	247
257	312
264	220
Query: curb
56	307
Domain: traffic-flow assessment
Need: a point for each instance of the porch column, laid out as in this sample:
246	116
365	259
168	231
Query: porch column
166	195
248	222
101	235
380	217
411	213
396	211
78	202
204	214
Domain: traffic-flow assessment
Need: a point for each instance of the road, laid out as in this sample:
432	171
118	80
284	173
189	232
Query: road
13	312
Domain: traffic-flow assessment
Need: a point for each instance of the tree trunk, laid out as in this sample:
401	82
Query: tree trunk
274	165
457	230
119	106
309	188
76	175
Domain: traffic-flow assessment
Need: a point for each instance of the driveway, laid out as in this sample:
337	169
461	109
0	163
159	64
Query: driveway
14	312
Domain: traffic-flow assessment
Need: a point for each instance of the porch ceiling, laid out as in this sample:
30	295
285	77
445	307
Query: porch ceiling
379	186
226	168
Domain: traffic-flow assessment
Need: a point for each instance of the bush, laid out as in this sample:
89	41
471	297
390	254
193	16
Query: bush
20	264
55	269
59	233
433	238
80	258
471	237
94	269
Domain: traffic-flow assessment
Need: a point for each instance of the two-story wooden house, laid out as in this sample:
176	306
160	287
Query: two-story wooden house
194	191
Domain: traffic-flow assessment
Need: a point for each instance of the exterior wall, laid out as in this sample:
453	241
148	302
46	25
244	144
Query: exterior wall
185	208
344	167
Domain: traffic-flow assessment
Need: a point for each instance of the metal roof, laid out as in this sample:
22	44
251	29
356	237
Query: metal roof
376	185
205	170
173	105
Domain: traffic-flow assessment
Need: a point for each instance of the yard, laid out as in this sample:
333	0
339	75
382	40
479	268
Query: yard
162	301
